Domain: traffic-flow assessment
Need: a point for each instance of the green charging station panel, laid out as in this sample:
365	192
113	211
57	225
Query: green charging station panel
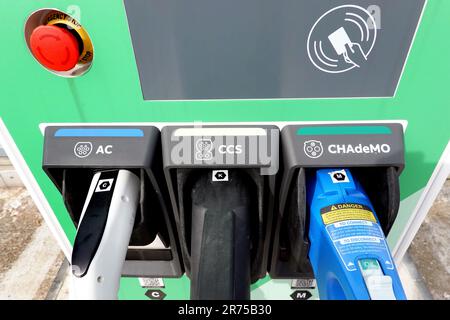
233	61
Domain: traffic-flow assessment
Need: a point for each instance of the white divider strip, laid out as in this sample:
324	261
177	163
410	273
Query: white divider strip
200	124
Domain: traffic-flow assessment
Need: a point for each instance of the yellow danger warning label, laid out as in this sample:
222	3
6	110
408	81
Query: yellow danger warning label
346	211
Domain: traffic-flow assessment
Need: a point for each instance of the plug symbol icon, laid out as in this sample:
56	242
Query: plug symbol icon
339	176
203	149
219	175
104	185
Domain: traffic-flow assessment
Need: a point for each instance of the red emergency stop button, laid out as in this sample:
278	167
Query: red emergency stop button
55	47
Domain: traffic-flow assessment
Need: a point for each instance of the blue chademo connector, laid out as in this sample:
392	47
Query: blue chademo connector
349	253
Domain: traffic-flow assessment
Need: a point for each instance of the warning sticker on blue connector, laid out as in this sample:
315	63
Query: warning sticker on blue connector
356	238
346	211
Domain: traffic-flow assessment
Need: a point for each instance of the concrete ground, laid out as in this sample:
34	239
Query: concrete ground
431	247
29	255
33	267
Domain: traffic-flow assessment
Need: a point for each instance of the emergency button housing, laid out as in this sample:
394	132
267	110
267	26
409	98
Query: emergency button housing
59	42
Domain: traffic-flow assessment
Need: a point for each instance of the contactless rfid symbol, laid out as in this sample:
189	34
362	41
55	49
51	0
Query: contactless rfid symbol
313	149
82	149
203	149
342	39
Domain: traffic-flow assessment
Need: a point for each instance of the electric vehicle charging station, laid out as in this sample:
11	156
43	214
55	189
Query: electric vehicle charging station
176	66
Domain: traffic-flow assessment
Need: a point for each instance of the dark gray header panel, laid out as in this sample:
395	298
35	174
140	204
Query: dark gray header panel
360	145
267	49
100	147
221	146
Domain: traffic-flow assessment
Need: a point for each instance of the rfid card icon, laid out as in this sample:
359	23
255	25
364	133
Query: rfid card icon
313	149
342	39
